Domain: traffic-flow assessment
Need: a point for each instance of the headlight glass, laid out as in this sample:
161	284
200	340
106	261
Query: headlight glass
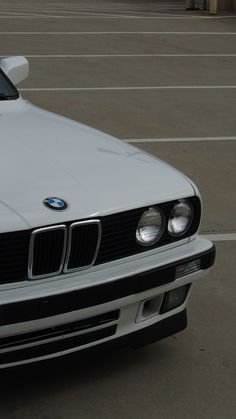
150	227
181	217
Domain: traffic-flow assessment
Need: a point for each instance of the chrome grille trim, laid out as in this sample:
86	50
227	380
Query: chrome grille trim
69	246
31	251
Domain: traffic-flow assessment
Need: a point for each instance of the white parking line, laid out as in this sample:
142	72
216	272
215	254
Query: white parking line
98	16
91	12
126	55
90	4
118	33
178	140
94	4
103	12
220	237
188	17
21	14
88	7
84	89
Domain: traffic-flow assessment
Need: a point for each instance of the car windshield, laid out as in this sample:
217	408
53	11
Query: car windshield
7	90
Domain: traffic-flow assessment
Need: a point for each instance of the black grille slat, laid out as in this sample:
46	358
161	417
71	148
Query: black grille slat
118	238
48	251
45	349
64	329
117	241
14	249
84	242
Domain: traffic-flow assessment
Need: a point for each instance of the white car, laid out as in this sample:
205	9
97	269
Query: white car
98	240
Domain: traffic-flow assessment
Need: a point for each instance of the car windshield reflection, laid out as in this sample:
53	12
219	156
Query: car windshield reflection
7	90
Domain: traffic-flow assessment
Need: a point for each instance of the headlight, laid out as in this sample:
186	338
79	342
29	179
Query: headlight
150	227
181	217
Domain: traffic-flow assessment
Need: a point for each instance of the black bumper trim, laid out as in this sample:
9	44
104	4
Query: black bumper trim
145	336
53	305
45	349
58	331
160	330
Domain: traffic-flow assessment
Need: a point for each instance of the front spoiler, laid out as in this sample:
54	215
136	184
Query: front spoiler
157	331
106	313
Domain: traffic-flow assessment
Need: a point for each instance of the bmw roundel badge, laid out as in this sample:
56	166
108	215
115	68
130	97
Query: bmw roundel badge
55	204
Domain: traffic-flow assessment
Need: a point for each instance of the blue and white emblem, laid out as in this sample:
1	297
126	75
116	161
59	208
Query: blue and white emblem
55	204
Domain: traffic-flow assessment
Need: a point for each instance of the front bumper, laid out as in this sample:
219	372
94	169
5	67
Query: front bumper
44	324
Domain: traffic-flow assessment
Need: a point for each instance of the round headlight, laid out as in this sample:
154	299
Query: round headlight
180	218
150	227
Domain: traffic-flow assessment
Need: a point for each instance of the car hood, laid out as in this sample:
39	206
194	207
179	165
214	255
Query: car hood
43	154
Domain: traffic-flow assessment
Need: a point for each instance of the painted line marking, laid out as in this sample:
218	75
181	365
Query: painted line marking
92	4
84	89
21	14
135	15
177	10
104	12
116	33
127	55
178	140
220	237
95	10
189	17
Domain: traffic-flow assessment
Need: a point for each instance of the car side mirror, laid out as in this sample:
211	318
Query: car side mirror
15	68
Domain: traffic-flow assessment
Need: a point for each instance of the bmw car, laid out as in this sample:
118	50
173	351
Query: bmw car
99	243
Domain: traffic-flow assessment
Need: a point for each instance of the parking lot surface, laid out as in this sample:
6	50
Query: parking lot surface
163	79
